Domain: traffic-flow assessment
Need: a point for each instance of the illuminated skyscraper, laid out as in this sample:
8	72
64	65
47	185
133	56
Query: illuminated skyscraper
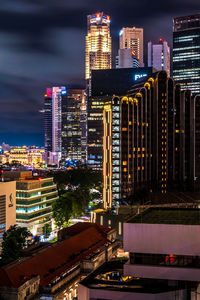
53	119
151	141
132	38
186	52
97	44
159	56
73	125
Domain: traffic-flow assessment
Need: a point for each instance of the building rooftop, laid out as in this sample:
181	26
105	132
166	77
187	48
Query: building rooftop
80	227
168	215
51	262
110	277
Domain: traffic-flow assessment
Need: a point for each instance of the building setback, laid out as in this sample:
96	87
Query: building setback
186	52
151	141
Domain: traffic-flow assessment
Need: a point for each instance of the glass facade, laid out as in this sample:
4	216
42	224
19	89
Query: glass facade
71	125
186	52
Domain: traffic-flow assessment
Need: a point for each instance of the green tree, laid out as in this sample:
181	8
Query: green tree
71	204
62	209
14	240
46	230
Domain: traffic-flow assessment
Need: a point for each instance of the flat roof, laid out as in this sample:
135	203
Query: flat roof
168	215
109	276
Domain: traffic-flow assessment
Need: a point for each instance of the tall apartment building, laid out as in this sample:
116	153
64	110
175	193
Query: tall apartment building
97	44
159	56
34	197
72	124
7	206
132	38
151	140
53	120
186	52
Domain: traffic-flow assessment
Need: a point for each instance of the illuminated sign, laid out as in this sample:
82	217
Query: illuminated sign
63	92
98	17
121	32
139	76
133	53
3	226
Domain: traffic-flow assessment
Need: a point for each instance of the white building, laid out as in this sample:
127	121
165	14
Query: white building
132	38
159	56
7	206
127	59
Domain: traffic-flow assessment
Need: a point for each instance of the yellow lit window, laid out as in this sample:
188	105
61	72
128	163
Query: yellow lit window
124	163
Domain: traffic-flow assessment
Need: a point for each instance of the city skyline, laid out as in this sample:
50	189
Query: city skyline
33	50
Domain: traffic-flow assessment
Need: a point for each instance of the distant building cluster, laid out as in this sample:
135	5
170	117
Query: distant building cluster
26	156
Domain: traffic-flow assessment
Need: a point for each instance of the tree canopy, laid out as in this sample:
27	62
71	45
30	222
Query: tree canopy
14	240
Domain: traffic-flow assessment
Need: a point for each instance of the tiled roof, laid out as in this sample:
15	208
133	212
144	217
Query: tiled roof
80	227
53	261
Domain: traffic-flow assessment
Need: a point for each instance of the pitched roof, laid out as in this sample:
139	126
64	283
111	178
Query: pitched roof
53	261
80	227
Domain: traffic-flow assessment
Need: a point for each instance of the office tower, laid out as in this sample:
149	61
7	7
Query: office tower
186	52
53	121
159	56
103	85
132	38
7	206
71	124
34	198
127	59
97	43
151	141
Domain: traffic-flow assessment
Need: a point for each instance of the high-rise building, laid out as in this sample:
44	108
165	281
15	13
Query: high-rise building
104	84
186	52
72	107
53	120
159	56
127	59
7	206
151	141
97	44
34	197
132	38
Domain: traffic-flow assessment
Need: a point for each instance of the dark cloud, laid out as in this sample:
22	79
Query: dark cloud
42	44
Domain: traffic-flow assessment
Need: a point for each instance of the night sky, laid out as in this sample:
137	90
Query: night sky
42	44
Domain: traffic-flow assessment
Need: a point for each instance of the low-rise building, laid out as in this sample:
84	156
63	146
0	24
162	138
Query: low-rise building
34	198
164	244
55	271
164	259
109	283
7	206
